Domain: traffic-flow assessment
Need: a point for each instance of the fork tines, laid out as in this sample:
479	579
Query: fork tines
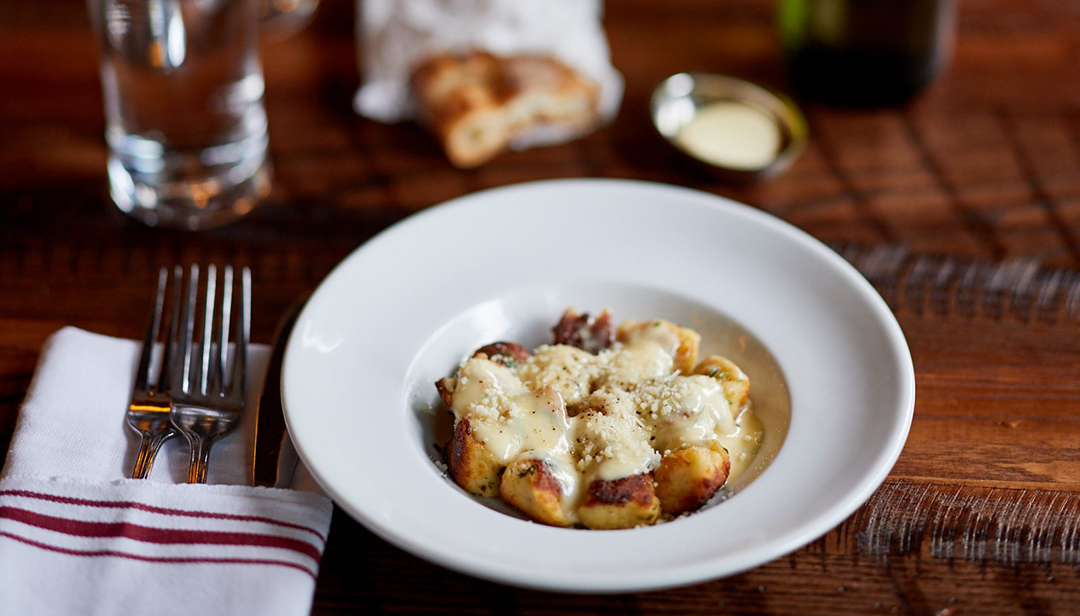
208	386
208	372
150	404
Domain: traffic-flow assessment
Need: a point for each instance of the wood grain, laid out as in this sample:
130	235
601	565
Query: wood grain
963	208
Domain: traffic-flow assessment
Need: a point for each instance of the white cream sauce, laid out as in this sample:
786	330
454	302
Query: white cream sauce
607	416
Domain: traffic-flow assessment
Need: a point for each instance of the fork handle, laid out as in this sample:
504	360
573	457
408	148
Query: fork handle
148	450
200	458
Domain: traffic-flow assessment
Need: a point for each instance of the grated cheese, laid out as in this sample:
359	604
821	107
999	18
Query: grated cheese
609	416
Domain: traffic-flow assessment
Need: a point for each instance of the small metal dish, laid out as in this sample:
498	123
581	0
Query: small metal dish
678	99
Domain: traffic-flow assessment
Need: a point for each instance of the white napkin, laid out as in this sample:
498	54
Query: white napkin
77	537
394	35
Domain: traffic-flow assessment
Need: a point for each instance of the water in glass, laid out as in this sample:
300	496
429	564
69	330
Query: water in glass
185	121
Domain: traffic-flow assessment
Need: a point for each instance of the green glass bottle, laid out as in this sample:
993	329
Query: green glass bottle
864	52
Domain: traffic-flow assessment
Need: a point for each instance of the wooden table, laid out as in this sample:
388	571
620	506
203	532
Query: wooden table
981	515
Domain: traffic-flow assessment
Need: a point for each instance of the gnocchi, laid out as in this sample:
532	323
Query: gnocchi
605	428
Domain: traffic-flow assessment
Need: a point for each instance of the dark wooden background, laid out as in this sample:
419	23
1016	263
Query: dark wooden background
963	207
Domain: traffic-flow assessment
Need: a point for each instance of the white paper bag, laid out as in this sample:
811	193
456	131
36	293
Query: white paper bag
394	35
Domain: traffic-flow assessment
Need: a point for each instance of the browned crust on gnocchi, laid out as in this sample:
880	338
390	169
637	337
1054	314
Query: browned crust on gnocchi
445	386
622	503
687	478
530	486
584	332
471	465
503	353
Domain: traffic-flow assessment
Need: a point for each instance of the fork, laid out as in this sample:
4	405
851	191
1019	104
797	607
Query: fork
208	402
148	410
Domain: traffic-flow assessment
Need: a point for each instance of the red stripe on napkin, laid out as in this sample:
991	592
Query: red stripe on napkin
66	500
146	534
158	559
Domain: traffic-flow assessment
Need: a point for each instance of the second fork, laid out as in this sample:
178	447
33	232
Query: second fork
149	409
208	392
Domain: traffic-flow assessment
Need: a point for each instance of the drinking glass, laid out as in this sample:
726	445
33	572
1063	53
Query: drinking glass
184	117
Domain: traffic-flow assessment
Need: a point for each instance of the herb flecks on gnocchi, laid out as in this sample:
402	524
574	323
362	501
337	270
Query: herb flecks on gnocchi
605	428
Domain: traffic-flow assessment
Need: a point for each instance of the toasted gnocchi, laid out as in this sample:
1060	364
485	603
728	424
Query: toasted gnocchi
472	465
531	486
606	428
620	503
688	477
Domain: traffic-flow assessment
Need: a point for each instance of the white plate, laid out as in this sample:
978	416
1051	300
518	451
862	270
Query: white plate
402	310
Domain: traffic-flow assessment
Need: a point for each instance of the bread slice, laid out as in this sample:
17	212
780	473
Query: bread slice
476	104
